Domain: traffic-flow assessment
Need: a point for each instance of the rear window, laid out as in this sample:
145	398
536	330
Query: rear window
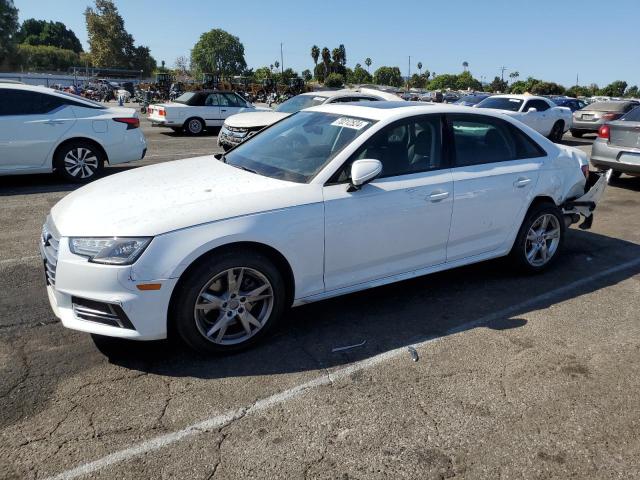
185	97
632	116
608	106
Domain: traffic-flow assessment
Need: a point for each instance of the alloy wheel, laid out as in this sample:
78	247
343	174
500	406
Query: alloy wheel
543	239
233	306
81	162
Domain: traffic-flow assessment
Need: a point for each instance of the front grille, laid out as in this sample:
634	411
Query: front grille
100	312
50	242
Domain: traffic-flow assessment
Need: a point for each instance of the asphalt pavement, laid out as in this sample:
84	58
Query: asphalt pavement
476	373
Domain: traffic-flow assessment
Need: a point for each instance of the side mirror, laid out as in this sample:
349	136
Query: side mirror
532	110
362	172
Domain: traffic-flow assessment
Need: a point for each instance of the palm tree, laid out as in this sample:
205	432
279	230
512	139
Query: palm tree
420	67
465	65
276	64
315	54
514	75
326	60
336	54
367	62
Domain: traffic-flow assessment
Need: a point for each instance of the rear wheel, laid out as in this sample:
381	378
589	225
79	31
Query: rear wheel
79	161
557	131
229	302
577	133
194	126
540	238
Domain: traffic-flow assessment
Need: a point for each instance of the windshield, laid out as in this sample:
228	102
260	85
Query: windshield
298	147
512	104
185	97
300	102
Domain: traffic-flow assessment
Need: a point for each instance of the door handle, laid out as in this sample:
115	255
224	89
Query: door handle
223	110
438	196
522	182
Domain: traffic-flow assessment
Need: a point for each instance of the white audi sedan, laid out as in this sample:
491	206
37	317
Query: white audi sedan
328	201
44	130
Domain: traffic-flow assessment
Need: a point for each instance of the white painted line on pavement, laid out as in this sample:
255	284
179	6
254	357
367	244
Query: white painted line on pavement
225	418
209	152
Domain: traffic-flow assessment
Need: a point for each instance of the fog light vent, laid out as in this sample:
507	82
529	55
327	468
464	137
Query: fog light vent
100	312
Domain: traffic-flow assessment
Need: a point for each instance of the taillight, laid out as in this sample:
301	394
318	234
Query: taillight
585	171
611	116
604	132
132	122
162	113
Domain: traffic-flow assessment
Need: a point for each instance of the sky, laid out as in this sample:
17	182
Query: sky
555	40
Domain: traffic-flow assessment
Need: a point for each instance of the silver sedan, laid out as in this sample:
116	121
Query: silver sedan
618	145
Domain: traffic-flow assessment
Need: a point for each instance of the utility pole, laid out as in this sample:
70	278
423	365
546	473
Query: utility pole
502	70
281	60
577	79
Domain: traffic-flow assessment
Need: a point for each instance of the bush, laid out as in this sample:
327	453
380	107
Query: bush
334	80
45	57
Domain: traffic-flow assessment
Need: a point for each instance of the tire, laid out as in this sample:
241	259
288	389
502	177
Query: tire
79	161
577	133
557	131
194	126
524	246
213	317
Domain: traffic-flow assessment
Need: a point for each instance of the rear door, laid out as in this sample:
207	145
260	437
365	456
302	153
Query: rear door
31	123
496	167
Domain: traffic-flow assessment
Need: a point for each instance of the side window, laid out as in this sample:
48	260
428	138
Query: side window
479	140
405	147
364	99
342	100
539	105
232	100
211	100
24	102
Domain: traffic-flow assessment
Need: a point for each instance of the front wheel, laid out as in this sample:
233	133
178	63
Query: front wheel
540	238
78	162
229	302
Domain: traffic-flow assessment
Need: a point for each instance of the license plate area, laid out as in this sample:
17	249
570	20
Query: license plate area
587	117
630	158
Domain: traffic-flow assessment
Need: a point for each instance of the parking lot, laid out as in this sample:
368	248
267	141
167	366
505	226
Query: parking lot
506	376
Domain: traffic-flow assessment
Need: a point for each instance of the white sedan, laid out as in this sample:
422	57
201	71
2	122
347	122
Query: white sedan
539	113
42	130
328	201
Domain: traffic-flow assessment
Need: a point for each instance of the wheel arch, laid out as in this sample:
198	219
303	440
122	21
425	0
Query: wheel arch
279	260
72	140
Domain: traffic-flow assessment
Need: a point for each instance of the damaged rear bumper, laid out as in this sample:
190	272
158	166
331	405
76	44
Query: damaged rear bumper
585	205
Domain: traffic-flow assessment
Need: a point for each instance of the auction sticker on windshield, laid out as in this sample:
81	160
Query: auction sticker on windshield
349	122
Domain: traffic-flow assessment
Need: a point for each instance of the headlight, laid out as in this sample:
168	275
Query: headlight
111	251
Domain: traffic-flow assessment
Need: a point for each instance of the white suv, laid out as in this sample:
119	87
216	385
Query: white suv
42	130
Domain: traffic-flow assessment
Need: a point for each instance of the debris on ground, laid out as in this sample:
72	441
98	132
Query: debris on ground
348	347
414	353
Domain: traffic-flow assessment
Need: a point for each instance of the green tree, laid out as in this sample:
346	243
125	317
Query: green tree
498	85
524	86
334	80
418	81
465	66
219	52
46	57
8	30
444	81
388	76
614	89
306	75
367	62
110	44
54	34
419	67
466	81
326	61
578	91
632	92
315	54
359	75
262	73
514	76
547	88
336	55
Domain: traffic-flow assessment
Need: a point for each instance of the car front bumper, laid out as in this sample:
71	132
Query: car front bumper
620	159
103	299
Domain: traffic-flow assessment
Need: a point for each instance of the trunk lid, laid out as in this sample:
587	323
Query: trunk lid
625	134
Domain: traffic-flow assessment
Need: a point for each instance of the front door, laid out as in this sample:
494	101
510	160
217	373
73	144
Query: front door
400	221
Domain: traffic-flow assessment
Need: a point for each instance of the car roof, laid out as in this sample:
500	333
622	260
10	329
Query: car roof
520	97
345	92
397	110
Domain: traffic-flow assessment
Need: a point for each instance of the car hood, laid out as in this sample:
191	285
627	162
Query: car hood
255	119
160	198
